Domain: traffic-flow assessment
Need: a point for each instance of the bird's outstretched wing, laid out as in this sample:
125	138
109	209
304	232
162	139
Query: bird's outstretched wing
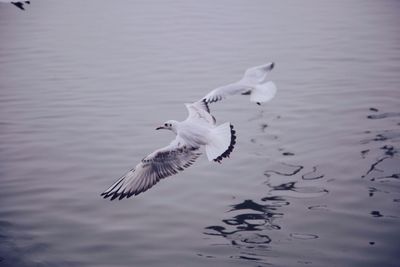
227	90
254	79
161	163
258	74
199	112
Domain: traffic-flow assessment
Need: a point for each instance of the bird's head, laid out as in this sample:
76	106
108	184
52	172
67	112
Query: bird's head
168	125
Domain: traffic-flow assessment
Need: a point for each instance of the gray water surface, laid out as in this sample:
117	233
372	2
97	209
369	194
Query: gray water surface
314	177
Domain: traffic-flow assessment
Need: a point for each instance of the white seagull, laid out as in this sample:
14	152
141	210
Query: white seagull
253	83
198	130
19	4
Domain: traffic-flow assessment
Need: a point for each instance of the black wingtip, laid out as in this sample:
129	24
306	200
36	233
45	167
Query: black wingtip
114	196
105	195
206	105
19	5
272	65
111	195
230	148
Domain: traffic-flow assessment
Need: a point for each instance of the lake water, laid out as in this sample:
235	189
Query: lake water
314	179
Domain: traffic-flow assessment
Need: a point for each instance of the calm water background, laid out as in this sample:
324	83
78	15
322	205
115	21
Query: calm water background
314	177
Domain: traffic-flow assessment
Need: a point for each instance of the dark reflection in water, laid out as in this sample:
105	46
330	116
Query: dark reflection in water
251	224
253	217
384	170
303	236
384	115
312	175
249	230
387	165
293	188
289	171
376	213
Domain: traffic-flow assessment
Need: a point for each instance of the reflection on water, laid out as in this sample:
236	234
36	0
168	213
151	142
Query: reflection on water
386	165
249	226
286	171
248	230
312	175
383	115
257	218
303	236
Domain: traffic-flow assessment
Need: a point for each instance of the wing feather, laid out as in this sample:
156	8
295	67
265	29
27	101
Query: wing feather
199	112
161	163
223	92
258	74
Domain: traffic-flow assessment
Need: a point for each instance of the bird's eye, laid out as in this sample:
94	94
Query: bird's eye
166	124
170	125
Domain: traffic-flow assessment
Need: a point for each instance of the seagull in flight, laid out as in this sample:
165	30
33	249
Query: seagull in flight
253	83
199	130
19	4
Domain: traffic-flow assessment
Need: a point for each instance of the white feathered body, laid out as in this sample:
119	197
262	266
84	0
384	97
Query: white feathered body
194	134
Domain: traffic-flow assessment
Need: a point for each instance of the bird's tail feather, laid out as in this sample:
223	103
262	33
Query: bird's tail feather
222	141
263	92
